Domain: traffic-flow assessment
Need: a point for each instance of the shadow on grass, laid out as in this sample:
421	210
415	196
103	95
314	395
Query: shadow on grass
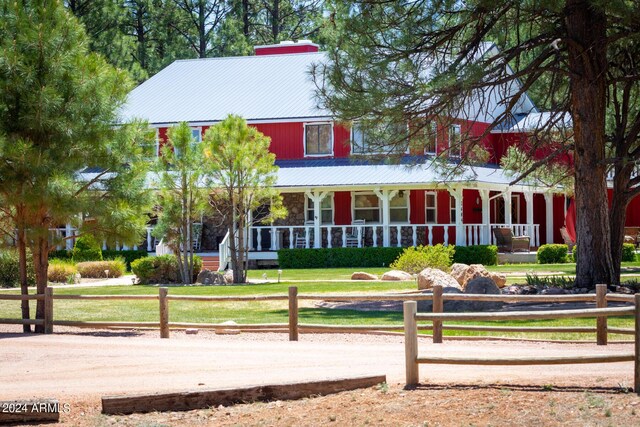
339	316
533	388
93	333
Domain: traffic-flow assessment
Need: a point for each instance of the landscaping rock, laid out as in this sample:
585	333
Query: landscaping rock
457	271
432	276
482	285
228	276
208	277
396	275
553	291
474	271
361	275
448	306
499	279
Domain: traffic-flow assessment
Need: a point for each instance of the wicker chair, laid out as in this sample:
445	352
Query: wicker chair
507	242
632	235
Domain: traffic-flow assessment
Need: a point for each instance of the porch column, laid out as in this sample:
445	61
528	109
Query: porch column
461	238
528	198
486	217
317	198
67	233
385	196
507	207
548	202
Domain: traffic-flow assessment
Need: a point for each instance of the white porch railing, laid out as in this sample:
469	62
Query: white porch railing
271	238
224	253
60	235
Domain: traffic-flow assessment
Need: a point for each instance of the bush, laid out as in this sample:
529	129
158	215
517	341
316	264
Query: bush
97	269
62	254
479	254
61	271
628	252
574	253
415	259
161	269
86	248
552	254
337	257
10	272
129	256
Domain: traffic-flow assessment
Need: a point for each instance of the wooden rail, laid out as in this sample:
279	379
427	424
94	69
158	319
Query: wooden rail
413	360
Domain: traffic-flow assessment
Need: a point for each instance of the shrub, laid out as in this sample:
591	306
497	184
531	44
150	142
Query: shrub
98	269
129	256
628	252
574	253
86	248
60	254
61	271
9	269
337	257
415	259
552	254
479	254
161	269
564	282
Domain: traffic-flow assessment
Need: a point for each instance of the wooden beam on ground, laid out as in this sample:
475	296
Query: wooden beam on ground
29	411
189	400
544	360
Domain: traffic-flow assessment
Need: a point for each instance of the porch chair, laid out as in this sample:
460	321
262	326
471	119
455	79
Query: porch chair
301	236
507	242
567	239
352	233
631	235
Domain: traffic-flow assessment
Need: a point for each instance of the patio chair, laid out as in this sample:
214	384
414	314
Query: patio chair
301	236
631	235
352	233
507	242
567	239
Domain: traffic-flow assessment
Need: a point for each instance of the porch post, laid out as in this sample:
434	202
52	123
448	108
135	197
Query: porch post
67	233
385	196
528	198
317	198
548	201
486	217
461	238
507	207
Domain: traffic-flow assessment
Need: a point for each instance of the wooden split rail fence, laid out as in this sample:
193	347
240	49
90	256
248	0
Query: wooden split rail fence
293	327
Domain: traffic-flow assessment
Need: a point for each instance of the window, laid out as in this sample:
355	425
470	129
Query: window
358	142
366	207
318	139
455	141
326	210
499	209
452	209
399	207
431	208
196	135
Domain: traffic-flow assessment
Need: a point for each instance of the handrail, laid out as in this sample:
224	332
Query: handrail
224	253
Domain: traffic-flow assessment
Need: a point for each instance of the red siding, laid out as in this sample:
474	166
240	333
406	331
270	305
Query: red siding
558	217
286	139
540	216
162	138
341	141
471	207
285	49
417	207
342	203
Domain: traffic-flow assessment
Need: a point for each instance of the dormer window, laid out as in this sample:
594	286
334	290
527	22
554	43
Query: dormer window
455	141
318	139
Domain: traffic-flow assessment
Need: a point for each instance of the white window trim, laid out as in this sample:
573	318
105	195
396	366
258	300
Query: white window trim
199	129
515	208
433	127
435	206
304	139
452	200
458	152
333	209
407	197
364	193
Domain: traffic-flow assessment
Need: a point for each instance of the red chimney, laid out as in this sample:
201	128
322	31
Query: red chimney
285	47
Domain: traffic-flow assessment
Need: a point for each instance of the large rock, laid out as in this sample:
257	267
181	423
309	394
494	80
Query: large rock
483	286
472	272
208	277
361	275
228	276
458	271
499	279
396	275
432	276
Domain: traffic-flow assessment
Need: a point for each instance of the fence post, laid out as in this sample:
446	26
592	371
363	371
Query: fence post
293	313
601	321
48	310
164	313
410	309
636	362
438	307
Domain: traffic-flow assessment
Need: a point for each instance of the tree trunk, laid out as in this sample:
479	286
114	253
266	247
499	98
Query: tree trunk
275	20
587	57
245	18
202	29
24	283
41	265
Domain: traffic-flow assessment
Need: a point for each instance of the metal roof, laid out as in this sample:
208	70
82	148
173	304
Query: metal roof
536	121
254	87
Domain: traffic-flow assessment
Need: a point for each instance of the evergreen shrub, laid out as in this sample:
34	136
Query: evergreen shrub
479	254
10	272
86	248
415	259
337	257
161	269
552	254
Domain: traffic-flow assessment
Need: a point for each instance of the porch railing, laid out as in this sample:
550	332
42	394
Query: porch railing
64	237
271	238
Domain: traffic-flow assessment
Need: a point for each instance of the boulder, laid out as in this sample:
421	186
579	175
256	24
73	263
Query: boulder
448	306
228	276
458	271
432	276
482	285
472	272
499	279
396	275
361	275
208	277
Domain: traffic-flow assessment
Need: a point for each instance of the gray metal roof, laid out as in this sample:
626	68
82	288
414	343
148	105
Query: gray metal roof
203	90
387	175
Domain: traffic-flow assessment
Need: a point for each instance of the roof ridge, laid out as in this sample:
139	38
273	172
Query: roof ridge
247	56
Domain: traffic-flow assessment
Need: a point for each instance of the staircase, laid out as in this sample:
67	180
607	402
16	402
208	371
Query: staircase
210	262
